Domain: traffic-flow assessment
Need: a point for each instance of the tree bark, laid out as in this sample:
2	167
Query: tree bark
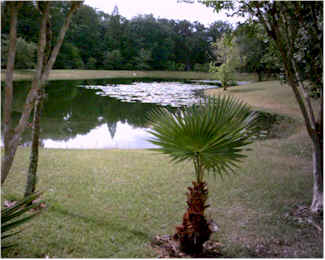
195	229
8	157
33	162
317	203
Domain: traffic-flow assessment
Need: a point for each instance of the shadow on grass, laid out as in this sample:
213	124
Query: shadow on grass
99	222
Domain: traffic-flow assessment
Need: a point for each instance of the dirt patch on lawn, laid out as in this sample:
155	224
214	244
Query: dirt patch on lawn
166	247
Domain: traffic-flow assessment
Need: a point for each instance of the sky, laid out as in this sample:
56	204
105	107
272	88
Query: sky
169	9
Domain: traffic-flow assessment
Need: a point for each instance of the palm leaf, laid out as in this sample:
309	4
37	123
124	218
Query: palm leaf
216	130
14	216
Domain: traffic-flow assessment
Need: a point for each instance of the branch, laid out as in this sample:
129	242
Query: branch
36	80
56	49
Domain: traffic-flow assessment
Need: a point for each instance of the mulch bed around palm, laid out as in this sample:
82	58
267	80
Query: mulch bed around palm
166	247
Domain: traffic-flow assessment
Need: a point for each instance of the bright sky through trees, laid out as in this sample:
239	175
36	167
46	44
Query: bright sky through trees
169	9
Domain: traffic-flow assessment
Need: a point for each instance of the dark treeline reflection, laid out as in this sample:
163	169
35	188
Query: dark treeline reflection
70	110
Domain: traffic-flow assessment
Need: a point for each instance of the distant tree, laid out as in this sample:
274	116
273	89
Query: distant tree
25	53
69	58
227	52
185	42
142	61
28	21
91	63
113	60
85	33
215	32
257	53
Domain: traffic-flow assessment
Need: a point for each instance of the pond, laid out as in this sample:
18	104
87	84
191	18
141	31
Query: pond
106	114
102	114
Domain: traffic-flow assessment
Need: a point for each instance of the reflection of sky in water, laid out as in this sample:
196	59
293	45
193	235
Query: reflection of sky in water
125	137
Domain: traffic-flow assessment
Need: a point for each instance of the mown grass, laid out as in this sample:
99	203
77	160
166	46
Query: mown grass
102	74
111	203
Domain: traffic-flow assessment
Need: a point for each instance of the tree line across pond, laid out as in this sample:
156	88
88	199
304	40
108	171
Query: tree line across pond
97	40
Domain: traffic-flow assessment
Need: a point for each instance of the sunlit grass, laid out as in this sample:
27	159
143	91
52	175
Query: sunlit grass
111	203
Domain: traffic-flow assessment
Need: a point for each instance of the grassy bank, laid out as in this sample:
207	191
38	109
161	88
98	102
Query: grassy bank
268	96
102	74
111	203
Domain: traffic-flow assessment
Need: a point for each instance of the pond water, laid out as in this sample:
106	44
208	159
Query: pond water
102	114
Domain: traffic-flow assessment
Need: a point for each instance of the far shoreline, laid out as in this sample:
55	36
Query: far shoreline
21	75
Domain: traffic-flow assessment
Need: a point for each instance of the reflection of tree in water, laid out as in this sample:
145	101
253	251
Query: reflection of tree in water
112	128
70	110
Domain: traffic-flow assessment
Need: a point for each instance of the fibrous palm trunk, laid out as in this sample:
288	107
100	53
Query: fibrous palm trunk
195	228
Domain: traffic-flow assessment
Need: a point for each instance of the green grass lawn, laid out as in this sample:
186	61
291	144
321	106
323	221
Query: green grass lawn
111	203
102	74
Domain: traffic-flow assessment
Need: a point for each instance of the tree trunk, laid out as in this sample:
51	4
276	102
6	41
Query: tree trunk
294	79
195	229
7	158
32	170
317	203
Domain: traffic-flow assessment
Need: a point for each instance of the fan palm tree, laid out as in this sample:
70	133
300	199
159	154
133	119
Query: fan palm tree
212	135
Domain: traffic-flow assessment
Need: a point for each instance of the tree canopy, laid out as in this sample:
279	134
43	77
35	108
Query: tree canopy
97	40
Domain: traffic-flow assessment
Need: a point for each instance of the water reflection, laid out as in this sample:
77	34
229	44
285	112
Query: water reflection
120	135
88	115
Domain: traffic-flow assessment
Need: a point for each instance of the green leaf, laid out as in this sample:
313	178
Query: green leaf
216	130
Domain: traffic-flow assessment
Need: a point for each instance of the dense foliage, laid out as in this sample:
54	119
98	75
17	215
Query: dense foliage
97	40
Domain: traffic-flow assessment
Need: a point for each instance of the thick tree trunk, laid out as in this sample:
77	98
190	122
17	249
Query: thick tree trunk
32	170
195	229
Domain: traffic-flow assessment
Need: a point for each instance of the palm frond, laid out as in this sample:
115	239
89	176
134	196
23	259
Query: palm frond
14	216
217	129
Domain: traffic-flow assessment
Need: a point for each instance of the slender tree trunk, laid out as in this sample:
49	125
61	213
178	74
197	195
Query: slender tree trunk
314	129
317	203
33	163
7	158
318	160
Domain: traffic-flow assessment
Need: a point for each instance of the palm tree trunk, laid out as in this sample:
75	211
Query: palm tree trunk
194	230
